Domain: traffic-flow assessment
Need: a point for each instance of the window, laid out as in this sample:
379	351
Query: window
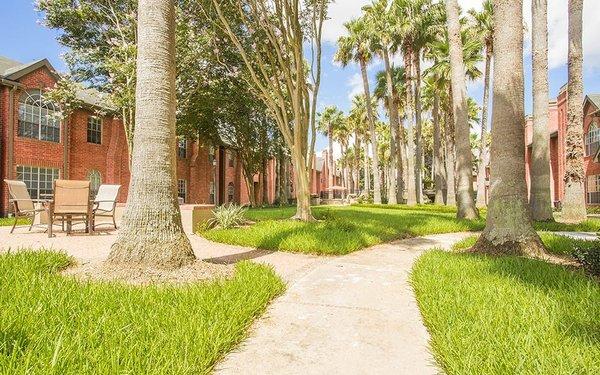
38	119
182	190
182	149
211	193
39	180
211	155
230	192
95	181
592	139
593	189
230	158
94	130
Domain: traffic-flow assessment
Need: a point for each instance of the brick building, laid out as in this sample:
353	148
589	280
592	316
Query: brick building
557	126
37	147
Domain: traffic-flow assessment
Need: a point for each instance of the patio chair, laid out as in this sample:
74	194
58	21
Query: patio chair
105	203
24	206
71	200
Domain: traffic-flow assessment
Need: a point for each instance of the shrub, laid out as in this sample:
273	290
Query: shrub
588	254
227	216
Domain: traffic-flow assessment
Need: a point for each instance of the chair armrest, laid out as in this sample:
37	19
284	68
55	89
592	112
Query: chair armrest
28	200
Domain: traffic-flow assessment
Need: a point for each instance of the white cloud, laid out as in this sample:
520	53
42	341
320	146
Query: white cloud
355	84
340	12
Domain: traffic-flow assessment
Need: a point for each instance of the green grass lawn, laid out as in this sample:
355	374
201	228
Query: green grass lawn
52	324
509	315
342	230
9	221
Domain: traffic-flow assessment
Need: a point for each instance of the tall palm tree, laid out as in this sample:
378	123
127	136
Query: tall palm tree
540	200
380	20
508	229
341	134
356	47
328	120
359	124
464	158
484	27
574	200
151	232
431	95
438	51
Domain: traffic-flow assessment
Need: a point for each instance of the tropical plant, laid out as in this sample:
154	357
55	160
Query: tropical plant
227	216
356	46
329	121
151	232
508	229
574	200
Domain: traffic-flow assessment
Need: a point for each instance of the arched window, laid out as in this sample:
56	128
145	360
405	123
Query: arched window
592	139
230	192
95	181
38	118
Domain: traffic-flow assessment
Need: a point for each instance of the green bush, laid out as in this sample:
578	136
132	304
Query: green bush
227	216
588	254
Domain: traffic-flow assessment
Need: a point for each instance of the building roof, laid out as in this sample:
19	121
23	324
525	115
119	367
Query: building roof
12	70
594	99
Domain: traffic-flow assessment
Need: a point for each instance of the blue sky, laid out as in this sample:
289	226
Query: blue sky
25	39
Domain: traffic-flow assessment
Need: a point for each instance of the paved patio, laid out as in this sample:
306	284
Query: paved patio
354	314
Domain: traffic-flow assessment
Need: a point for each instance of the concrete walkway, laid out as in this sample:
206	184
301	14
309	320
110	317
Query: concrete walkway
354	314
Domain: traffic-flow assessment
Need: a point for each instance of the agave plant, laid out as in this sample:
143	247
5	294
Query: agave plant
227	216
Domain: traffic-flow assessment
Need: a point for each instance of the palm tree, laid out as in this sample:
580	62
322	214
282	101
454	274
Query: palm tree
540	200
484	27
431	94
574	200
359	124
356	47
508	229
380	20
341	134
151	232
330	119
464	159
438	51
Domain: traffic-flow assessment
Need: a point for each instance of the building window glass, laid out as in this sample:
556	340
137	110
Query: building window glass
230	192
230	158
593	189
211	193
94	130
182	190
211	155
592	139
39	180
38	118
95	181
182	149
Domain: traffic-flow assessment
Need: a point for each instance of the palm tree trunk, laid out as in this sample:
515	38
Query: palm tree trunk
411	198
508	228
367	184
393	115
375	156
356	163
151	232
450	159
330	161
483	148
540	201
438	168
400	153
418	129
574	209
464	158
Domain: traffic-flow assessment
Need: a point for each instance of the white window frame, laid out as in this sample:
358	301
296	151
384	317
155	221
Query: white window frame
182	187
593	189
97	125
230	192
39	180
182	148
40	115
211	193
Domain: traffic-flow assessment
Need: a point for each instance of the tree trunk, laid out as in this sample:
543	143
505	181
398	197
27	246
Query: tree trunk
303	210
265	182
367	182
371	119
418	129
541	200
464	158
400	152
508	228
574	209
330	161
438	164
450	159
411	188
483	147
393	115
249	178
151	232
